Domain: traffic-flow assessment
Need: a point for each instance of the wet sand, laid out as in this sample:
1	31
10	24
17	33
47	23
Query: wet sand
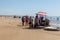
11	29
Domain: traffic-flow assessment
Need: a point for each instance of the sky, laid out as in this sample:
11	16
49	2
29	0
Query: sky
29	7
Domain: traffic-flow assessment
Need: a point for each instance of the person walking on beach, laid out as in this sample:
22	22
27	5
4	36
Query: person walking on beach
23	21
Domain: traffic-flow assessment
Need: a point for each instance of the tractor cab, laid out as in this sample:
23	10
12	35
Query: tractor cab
44	21
41	20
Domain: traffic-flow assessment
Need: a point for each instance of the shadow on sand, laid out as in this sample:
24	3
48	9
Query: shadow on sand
33	28
40	28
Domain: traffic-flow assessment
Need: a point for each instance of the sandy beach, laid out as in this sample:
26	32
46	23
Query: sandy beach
11	29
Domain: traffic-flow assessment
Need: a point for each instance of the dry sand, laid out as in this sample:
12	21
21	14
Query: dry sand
11	29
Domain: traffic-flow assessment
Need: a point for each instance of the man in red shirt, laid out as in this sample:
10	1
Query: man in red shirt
26	20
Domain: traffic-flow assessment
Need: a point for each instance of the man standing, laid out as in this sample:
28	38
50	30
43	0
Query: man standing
23	21
36	22
26	20
30	22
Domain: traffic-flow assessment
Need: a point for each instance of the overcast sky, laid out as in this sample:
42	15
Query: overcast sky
29	7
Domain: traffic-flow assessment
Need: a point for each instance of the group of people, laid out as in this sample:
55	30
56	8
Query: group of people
31	21
27	21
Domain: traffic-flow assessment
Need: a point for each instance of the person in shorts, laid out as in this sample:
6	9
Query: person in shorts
36	22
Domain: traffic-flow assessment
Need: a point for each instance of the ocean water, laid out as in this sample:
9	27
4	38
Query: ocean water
54	20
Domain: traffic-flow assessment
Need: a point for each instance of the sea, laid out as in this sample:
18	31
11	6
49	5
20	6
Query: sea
54	20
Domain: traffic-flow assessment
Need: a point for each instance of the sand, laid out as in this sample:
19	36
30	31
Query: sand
12	29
